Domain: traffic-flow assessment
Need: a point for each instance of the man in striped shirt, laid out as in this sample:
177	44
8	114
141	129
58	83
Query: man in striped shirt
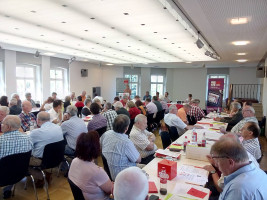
250	133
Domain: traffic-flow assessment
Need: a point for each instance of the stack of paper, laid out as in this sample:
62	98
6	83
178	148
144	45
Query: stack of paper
167	152
192	174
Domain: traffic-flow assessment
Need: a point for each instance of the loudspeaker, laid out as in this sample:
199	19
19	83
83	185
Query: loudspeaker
84	72
260	72
96	91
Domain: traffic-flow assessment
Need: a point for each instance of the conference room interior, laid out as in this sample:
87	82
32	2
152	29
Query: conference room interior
42	52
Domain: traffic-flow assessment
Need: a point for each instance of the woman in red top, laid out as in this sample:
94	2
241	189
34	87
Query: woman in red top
133	110
79	104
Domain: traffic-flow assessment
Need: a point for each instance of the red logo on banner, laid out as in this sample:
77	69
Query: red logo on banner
126	81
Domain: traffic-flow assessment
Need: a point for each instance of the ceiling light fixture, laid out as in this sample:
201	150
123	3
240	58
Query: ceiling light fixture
239	20
238	43
109	64
199	43
242	60
241	54
37	54
188	62
72	59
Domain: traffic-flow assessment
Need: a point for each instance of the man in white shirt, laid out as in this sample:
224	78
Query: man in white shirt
143	140
151	107
171	119
56	112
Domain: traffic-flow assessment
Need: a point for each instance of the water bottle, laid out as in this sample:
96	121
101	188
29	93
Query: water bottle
163	181
203	141
194	136
31	126
185	143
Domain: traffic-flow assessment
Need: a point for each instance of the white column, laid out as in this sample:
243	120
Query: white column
46	76
145	81
169	84
10	72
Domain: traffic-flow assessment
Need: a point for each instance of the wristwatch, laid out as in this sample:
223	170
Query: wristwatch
213	171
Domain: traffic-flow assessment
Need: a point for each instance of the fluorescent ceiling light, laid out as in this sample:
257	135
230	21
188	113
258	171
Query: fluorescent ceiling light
49	54
240	43
188	62
241	54
109	64
242	60
240	20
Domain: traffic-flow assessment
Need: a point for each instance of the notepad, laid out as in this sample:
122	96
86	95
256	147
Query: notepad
152	187
197	193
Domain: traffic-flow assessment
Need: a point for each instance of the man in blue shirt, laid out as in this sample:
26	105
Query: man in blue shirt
242	179
117	148
147	96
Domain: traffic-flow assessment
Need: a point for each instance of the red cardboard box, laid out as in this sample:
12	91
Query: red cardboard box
170	166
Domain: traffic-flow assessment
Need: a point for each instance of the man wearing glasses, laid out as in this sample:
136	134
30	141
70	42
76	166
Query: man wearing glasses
248	113
242	179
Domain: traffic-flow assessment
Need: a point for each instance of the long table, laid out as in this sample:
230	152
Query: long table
152	167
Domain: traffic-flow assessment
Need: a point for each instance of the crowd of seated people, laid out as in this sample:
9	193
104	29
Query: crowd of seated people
120	150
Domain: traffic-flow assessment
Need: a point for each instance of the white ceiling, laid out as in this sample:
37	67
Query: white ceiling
148	35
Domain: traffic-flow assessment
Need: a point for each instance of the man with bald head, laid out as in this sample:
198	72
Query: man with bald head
143	140
27	118
12	142
4	111
131	184
46	134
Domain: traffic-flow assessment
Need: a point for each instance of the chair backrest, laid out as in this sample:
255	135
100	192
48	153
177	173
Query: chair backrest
165	138
101	131
191	120
105	164
159	116
53	154
173	133
130	127
76	191
150	121
13	168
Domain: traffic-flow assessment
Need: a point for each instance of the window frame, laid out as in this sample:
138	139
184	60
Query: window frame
129	76
157	83
34	79
63	80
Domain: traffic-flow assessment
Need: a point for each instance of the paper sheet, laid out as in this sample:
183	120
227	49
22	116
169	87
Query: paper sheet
167	152
181	190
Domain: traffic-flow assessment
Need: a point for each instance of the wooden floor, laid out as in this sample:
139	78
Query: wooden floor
59	187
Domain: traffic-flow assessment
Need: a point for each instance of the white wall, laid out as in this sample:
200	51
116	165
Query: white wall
104	77
243	76
186	81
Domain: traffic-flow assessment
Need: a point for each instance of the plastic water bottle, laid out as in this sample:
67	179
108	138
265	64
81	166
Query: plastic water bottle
203	141
185	142
31	126
194	136
163	181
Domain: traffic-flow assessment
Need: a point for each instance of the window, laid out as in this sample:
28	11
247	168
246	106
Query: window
57	82
2	82
133	84
26	79
226	83
157	84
